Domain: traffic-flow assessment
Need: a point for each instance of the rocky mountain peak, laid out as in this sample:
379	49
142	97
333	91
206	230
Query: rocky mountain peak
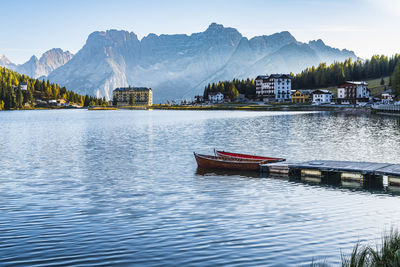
318	42
180	65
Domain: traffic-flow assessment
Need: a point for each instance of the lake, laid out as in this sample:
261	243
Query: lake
91	188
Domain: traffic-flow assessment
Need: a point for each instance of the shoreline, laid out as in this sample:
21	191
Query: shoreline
233	107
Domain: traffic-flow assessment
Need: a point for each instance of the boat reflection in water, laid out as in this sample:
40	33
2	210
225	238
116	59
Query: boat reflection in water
216	172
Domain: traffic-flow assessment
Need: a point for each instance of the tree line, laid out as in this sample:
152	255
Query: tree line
13	97
339	72
232	89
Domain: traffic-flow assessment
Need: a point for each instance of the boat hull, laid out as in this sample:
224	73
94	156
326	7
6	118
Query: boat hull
211	162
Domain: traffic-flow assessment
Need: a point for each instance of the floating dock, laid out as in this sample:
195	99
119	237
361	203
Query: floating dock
346	173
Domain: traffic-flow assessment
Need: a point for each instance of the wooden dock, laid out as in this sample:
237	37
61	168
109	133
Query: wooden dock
364	174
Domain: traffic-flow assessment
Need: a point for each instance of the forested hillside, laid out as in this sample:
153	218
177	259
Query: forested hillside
336	73
12	97
320	77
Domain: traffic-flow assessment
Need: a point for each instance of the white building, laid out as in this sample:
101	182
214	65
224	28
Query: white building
353	92
216	97
387	96
274	88
321	97
23	86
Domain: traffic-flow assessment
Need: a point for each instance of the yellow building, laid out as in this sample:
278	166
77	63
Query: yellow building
302	96
133	96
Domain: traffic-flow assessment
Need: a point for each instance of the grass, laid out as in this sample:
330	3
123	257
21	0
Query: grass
385	254
102	108
373	85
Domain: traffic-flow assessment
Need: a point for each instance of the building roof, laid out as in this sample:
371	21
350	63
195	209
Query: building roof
388	91
122	89
305	91
280	76
274	76
213	94
262	77
23	84
322	92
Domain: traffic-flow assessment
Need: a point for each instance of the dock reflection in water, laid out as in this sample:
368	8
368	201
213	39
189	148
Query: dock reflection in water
371	186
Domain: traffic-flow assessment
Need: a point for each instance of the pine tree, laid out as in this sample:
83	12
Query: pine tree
29	97
131	100
382	81
19	98
233	92
396	80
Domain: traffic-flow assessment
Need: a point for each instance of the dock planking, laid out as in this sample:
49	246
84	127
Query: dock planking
342	166
365	168
366	175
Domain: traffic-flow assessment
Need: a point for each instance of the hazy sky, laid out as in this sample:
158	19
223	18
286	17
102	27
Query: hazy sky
31	27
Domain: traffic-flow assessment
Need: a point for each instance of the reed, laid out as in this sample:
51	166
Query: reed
384	254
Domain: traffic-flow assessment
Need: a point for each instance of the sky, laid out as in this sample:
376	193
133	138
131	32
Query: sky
367	27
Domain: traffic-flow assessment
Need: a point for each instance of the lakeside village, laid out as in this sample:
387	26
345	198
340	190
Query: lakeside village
277	89
270	89
273	90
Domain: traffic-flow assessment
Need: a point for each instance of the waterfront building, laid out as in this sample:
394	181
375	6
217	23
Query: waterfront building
302	96
216	97
23	86
387	96
198	99
274	88
241	98
321	96
140	96
352	92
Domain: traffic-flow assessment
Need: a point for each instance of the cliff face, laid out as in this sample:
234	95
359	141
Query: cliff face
35	68
177	66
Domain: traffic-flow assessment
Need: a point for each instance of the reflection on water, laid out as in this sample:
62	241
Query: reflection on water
375	186
122	188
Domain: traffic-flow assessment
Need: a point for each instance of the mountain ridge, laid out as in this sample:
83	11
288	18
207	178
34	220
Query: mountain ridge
42	67
180	65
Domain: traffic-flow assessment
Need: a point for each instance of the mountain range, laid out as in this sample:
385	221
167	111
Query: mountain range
175	66
39	68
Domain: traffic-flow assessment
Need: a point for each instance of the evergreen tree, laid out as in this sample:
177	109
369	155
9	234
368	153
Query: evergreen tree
396	80
382	81
233	92
19	98
131	100
29	97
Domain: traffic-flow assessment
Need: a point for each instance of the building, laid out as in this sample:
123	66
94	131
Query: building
241	98
198	99
387	96
23	86
216	97
261	85
274	88
352	92
302	96
128	96
321	97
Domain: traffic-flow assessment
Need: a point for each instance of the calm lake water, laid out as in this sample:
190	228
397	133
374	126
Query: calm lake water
95	188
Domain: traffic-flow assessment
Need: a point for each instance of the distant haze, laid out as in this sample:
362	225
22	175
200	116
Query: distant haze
179	66
33	27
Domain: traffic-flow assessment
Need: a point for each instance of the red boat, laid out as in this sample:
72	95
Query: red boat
230	155
213	162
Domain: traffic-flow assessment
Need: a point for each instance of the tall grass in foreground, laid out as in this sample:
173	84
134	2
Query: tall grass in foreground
387	254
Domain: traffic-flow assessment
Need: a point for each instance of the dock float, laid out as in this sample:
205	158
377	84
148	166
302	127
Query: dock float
363	174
